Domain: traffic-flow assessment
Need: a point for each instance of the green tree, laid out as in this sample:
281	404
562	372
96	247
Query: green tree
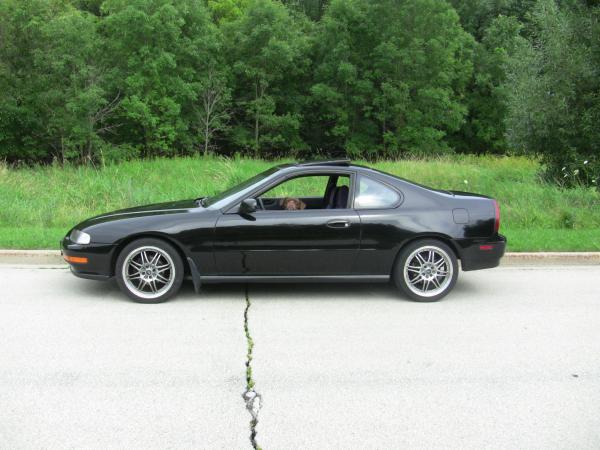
214	100
487	94
390	76
313	9
342	90
554	92
267	51
74	100
22	126
224	11
476	16
495	25
159	51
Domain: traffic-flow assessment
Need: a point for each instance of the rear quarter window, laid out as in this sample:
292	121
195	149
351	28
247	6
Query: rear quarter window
372	194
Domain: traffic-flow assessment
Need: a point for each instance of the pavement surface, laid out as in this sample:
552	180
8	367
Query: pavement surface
82	367
510	359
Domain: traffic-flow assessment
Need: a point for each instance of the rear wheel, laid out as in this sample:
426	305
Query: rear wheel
149	270
426	270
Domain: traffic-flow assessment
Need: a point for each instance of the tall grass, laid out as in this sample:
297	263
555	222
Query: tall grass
38	205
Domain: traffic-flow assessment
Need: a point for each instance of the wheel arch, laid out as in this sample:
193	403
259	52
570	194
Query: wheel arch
436	236
155	235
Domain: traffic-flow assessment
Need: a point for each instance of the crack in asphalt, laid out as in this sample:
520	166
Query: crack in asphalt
251	397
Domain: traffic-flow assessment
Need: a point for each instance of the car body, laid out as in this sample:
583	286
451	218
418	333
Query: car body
353	232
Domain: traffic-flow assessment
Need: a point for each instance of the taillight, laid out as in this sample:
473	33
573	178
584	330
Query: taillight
497	218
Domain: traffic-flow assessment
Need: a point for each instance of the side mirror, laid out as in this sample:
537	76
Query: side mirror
248	206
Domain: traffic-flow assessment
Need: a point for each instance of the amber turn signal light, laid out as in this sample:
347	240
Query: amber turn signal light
75	259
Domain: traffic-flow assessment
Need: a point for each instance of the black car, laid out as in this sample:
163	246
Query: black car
311	221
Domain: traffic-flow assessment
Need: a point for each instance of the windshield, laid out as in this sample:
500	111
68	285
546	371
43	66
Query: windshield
216	201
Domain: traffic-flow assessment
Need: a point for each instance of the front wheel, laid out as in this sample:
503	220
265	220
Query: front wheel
426	270
149	270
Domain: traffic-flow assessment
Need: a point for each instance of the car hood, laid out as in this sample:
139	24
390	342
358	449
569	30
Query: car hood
140	211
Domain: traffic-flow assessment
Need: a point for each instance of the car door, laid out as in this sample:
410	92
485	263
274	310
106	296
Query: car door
383	225
270	242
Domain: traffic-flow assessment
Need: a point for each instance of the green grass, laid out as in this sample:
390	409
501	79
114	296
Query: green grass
39	205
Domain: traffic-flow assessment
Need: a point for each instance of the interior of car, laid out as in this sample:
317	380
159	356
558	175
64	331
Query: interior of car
323	191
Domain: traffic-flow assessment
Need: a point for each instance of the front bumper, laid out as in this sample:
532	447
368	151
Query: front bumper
100	261
484	254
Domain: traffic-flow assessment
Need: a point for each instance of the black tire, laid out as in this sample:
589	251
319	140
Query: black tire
140	288
427	273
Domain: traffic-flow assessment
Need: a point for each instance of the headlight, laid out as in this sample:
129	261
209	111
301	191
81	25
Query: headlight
79	237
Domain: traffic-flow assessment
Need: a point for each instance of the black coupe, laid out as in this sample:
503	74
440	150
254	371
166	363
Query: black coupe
311	221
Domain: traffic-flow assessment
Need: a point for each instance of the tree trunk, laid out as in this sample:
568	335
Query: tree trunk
256	152
206	137
62	150
384	144
256	120
89	138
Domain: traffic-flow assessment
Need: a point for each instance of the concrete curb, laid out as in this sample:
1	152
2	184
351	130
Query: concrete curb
39	257
551	259
34	257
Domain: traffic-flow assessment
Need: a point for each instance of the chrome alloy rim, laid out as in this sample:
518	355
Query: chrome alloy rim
148	272
428	271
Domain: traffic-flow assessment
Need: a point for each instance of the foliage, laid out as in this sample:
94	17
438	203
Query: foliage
554	107
94	81
160	51
226	10
23	128
389	76
483	130
75	103
313	9
214	98
267	53
477	16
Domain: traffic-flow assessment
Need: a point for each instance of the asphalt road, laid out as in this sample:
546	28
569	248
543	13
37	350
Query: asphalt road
81	367
511	359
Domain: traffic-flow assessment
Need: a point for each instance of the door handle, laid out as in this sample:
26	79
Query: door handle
338	224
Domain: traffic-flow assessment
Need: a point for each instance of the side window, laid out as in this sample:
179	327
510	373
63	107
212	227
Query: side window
322	191
374	195
307	186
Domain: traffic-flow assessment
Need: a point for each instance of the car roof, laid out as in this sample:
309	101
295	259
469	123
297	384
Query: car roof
327	162
333	163
342	163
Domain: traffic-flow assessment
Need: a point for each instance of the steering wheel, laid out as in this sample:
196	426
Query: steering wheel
260	203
